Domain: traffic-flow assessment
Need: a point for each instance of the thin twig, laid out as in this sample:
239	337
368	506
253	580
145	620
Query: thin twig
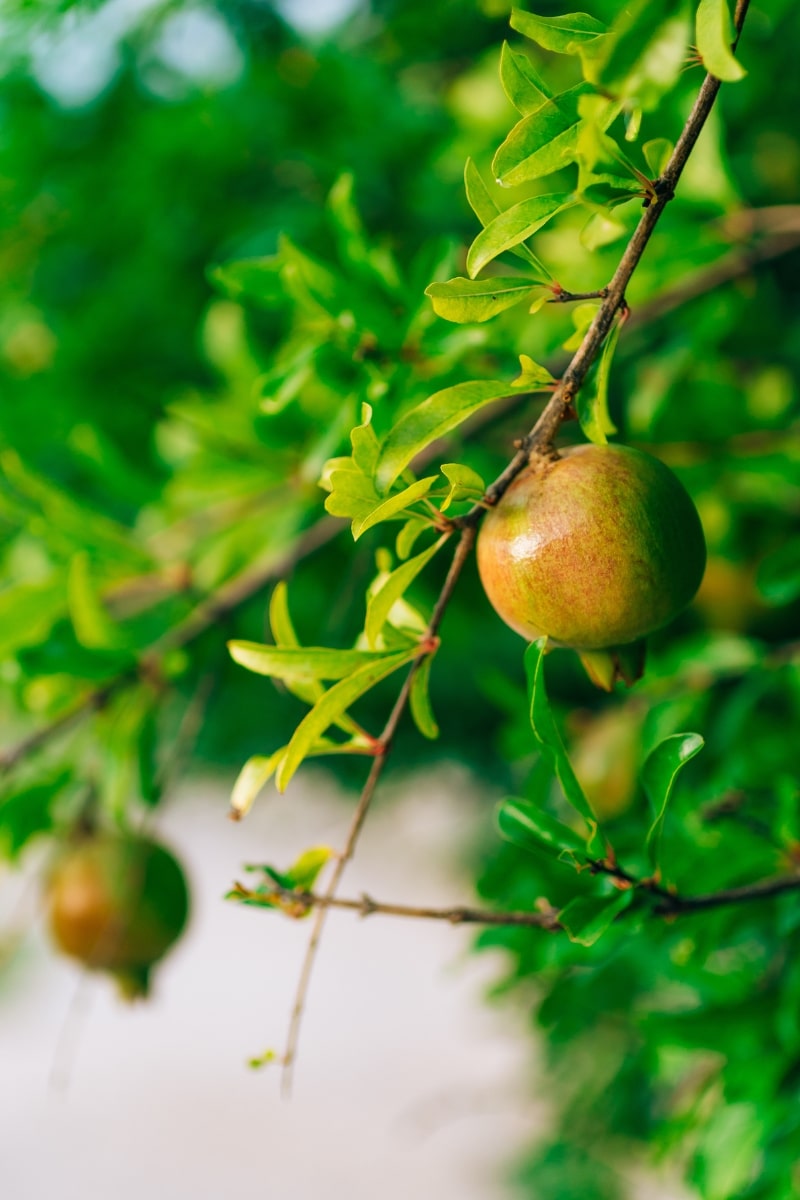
545	917
540	440
386	739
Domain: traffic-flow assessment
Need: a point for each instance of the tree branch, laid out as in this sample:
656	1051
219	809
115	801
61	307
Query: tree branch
539	440
544	917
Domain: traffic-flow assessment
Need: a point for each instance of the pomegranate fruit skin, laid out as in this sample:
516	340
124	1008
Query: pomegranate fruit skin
117	903
595	549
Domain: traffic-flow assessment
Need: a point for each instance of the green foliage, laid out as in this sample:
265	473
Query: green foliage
175	443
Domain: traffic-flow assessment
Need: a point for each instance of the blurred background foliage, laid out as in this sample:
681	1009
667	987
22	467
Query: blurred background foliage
161	439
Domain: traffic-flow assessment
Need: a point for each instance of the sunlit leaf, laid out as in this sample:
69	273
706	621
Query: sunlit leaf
431	419
657	154
255	773
93	626
381	603
521	82
513	226
305	870
419	700
544	141
466	300
465	484
299	663
485	209
566	34
335	702
532	375
714	40
592	403
393	506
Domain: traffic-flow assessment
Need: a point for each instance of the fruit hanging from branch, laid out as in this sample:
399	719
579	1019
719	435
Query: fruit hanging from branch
594	549
117	903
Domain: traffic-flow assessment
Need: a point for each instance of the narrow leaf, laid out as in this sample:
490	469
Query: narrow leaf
280	623
431	419
92	624
408	535
335	702
299	663
714	41
547	735
586	918
542	142
521	82
567	34
595	419
394	505
513	226
419	700
380	605
472	300
532	828
658	779
485	209
255	773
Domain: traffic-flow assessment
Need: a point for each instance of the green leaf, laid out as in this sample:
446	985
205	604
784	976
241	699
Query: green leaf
256	279
714	41
547	735
593	415
485	209
778	577
521	82
304	872
393	506
419	700
532	375
513	226
532	828
352	493
92	624
543	142
365	443
464	301
582	317
255	773
283	632
568	34
27	811
382	602
27	613
657	154
299	663
465	484
432	419
587	918
331	706
658	779
408	535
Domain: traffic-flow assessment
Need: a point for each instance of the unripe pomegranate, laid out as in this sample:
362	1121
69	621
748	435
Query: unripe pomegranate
595	549
117	903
